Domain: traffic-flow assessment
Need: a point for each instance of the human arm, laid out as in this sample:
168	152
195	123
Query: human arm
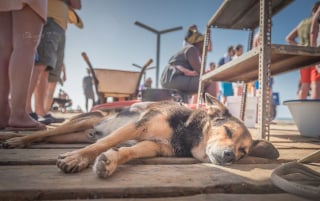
193	58
256	40
186	71
314	28
291	37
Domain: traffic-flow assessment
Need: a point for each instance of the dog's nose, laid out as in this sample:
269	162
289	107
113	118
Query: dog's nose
228	156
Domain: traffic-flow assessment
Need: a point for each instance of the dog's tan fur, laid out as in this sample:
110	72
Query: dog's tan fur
160	129
76	130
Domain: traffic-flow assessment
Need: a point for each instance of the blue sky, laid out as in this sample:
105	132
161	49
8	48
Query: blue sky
112	40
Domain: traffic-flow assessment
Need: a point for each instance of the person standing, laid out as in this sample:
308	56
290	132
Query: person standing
315	39
307	32
87	85
48	68
238	86
226	87
315	26
214	85
21	23
51	87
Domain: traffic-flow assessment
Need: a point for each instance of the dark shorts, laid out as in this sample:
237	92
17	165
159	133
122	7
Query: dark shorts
89	94
51	49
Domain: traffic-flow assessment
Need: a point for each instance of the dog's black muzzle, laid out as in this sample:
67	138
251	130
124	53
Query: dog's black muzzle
228	156
221	156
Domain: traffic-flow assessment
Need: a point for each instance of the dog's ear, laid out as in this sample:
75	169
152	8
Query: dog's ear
263	149
214	106
210	100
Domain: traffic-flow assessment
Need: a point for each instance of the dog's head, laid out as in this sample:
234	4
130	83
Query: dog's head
228	139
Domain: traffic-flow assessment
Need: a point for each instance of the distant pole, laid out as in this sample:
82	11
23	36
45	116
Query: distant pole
158	43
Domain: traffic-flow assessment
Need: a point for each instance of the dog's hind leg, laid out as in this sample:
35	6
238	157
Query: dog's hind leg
87	136
78	160
68	127
107	162
6	136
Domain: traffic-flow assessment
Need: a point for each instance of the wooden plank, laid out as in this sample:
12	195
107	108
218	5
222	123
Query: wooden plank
300	145
49	156
295	154
56	146
244	14
284	58
46	154
30	156
217	197
287	133
47	182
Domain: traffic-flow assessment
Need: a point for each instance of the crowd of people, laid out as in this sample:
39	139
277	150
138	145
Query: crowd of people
32	43
183	68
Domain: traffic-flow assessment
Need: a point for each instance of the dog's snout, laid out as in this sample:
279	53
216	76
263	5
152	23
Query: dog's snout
228	156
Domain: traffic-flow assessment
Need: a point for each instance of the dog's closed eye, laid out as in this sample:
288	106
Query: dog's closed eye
228	131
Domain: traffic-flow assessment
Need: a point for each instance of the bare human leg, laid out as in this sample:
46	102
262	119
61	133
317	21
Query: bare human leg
87	100
315	92
40	91
26	31
6	49
304	91
34	81
49	96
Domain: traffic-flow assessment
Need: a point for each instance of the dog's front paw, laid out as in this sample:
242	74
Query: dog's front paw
16	142
72	162
105	164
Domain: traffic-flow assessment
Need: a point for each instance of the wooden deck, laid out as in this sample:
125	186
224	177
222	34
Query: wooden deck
31	174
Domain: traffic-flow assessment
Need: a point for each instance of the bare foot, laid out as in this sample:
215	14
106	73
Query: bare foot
4	117
3	122
23	121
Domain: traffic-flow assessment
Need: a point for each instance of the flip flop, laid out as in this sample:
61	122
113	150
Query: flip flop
33	128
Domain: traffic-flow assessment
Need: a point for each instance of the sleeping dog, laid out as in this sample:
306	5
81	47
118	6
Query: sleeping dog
166	128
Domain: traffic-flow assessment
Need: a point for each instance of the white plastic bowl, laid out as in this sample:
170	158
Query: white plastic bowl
306	115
